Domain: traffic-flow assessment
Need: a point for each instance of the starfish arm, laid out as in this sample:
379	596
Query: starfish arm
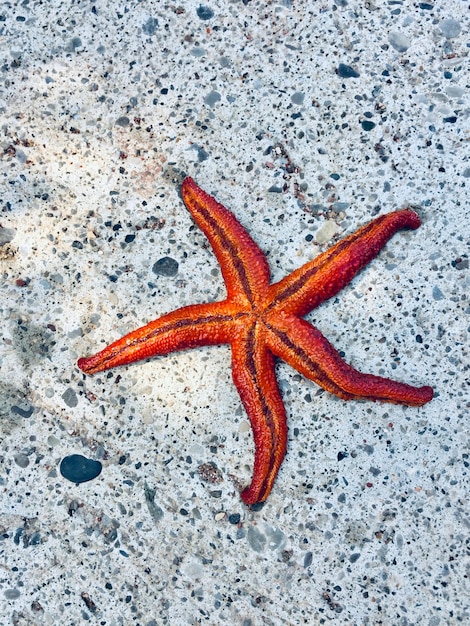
244	267
328	273
304	347
254	376
190	326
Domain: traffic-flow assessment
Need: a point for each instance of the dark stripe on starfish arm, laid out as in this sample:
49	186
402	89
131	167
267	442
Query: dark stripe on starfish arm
328	273
231	250
229	240
255	379
177	330
289	351
303	340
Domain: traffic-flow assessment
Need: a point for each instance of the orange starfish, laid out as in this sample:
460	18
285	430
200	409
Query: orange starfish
262	321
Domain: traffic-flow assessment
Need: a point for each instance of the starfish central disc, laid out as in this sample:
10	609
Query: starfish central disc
263	321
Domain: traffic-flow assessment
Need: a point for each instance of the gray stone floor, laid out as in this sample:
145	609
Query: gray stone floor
306	119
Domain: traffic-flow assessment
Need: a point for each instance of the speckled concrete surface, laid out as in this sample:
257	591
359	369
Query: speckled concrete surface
306	119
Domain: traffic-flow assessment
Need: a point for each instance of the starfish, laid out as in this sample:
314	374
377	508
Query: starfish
262	321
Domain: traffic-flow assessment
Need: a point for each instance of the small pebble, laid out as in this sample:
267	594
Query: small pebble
298	97
79	469
122	121
165	267
22	412
150	26
276	538
212	98
256	539
450	28
6	235
21	460
155	511
346	71
204	13
70	397
400	42
327	231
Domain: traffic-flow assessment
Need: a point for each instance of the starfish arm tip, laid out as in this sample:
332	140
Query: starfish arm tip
427	394
84	364
89	364
412	219
187	182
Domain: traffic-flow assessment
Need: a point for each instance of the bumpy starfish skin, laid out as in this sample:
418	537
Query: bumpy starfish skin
262	321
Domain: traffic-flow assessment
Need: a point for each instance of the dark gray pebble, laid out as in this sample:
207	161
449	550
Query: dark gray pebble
150	26
298	97
212	98
165	267
6	235
155	511
74	43
70	397
204	13
122	121
17	410
21	459
79	469
346	71
202	155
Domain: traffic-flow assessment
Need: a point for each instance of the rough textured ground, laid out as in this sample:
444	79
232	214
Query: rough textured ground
307	119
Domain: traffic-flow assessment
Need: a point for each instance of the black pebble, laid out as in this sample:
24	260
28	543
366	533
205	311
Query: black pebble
165	267
256	507
79	469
